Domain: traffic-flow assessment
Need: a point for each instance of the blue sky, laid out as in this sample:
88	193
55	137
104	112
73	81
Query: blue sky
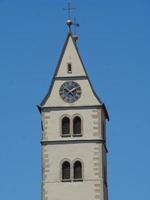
114	42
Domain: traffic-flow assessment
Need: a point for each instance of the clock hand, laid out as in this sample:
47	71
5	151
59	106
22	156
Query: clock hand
70	92
67	89
73	89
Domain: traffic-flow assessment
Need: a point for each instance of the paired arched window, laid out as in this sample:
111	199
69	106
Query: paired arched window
73	126
75	170
65	126
66	170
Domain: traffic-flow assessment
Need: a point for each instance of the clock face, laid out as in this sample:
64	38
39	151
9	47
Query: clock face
70	91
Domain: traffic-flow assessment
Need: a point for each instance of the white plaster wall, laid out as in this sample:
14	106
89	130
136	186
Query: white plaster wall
92	185
73	191
85	152
87	97
91	123
93	156
70	56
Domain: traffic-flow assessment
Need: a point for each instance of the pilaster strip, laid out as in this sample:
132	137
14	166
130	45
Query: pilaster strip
96	170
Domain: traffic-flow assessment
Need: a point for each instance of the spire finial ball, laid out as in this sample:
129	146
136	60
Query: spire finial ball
69	22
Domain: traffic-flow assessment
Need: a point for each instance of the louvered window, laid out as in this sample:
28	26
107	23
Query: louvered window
77	170
65	171
77	126
65	126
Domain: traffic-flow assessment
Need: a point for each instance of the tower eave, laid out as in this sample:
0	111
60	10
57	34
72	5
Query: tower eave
105	111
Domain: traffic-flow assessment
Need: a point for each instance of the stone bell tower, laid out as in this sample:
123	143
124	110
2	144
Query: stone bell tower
74	163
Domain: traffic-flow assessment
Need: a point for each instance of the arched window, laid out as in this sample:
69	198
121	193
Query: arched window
65	126
77	125
65	171
77	168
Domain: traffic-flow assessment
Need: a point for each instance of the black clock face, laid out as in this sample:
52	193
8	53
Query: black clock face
70	91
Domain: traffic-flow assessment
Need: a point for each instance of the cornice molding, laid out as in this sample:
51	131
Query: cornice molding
71	78
75	141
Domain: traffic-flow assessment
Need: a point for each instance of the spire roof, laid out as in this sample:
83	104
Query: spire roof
70	54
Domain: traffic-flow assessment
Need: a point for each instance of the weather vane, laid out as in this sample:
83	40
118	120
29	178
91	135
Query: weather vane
76	25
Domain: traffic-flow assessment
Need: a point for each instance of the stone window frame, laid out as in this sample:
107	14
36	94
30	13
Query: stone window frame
61	170
82	170
73	117
69	68
62	117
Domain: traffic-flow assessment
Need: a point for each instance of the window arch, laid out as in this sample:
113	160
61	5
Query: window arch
65	171
77	170
65	126
77	125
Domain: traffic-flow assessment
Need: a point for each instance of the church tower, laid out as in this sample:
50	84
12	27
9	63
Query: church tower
74	163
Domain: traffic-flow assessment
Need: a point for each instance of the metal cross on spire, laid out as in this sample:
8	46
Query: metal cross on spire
69	9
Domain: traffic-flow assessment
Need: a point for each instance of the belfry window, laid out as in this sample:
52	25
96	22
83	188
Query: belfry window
65	126
69	68
65	171
77	126
77	168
